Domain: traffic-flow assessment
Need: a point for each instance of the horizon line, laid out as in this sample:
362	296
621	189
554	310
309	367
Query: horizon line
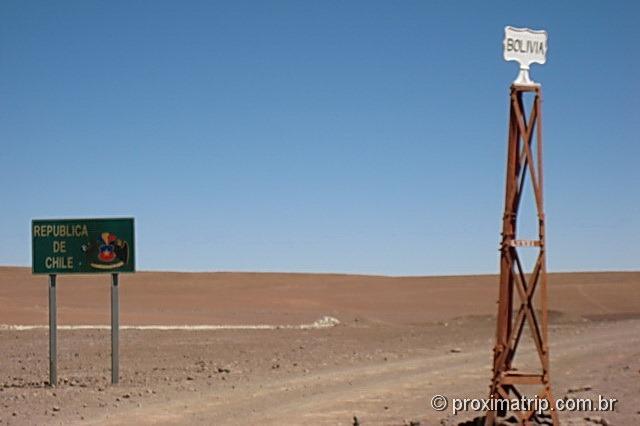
362	274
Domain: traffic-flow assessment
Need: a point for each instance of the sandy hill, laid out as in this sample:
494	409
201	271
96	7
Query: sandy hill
286	298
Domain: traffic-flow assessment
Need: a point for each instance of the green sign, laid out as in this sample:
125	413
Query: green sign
70	246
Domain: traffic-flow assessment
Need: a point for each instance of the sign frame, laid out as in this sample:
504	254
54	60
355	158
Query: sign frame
525	46
83	246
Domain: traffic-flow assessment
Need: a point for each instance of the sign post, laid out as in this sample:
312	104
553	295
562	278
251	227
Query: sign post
115	330
53	332
89	246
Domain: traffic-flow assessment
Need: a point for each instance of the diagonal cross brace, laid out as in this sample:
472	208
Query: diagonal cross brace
524	158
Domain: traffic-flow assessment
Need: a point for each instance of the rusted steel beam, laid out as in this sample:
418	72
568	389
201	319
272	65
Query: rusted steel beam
524	163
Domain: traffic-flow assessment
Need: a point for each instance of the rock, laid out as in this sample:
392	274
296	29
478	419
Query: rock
574	421
55	408
579	389
356	422
597	420
190	378
455	350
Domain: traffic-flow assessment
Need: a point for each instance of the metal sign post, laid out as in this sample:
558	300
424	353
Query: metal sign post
115	330
53	332
524	159
72	246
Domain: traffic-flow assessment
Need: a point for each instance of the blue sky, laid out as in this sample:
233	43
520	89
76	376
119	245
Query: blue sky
326	136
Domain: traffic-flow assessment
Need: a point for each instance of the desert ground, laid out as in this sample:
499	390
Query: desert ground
398	342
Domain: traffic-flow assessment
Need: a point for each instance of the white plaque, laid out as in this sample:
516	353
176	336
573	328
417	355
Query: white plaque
527	47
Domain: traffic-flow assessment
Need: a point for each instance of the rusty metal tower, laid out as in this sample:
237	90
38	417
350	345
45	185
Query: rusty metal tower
524	160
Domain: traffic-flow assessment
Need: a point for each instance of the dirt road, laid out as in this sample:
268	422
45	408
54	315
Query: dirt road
383	375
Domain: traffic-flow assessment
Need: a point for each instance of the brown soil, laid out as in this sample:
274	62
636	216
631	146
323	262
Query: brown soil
391	353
